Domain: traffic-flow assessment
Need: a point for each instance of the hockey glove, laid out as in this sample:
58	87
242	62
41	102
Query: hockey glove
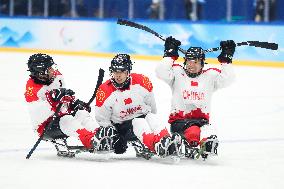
228	50
80	105
62	95
171	47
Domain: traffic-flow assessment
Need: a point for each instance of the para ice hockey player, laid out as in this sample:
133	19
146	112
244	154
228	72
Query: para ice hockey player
126	101
192	90
45	90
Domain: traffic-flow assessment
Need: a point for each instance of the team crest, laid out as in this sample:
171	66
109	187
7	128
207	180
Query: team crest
30	91
100	96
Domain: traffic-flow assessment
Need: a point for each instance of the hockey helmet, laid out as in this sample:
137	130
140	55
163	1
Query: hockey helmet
38	65
195	53
121	62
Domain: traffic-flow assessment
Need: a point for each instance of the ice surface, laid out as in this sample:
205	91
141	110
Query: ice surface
248	116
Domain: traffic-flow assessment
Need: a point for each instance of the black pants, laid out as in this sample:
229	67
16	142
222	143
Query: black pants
54	132
125	134
179	126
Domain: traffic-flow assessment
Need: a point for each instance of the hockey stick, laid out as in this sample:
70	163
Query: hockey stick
145	28
266	45
55	115
99	82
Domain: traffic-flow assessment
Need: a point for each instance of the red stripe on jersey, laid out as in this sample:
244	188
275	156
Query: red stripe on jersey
141	80
216	69
197	113
31	90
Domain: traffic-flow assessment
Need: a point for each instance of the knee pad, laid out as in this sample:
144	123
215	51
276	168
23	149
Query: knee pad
192	135
154	123
140	127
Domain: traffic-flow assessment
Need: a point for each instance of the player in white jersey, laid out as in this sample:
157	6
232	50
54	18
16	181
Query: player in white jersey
126	101
45	90
192	90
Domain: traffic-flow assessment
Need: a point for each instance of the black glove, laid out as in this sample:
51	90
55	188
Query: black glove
61	95
228	50
80	105
171	47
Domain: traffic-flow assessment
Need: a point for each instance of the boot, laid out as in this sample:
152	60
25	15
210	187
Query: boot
103	139
210	144
168	145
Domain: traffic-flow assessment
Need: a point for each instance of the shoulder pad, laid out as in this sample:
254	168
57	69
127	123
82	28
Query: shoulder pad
142	80
104	91
31	90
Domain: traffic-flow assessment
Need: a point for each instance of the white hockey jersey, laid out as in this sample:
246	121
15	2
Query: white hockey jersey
117	106
40	108
191	97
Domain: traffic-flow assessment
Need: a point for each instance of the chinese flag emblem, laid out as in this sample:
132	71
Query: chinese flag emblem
127	101
194	83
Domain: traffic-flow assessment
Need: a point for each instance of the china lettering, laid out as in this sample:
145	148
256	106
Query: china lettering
191	95
130	111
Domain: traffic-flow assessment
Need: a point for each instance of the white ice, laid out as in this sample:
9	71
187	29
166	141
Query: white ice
248	116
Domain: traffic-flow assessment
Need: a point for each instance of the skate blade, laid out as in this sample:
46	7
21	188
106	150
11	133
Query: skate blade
66	154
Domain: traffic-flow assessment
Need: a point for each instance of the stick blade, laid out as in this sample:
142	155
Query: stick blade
265	45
